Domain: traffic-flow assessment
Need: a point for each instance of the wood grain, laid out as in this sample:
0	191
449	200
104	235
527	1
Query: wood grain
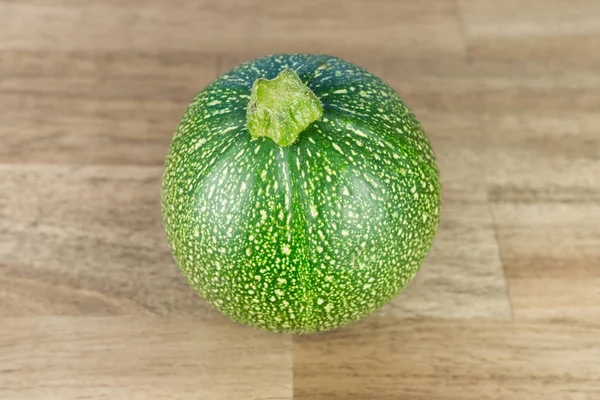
265	27
429	359
552	31
74	107
139	358
87	240
507	304
546	201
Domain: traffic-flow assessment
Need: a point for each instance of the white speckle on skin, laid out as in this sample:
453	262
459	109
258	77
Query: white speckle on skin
286	250
199	143
356	131
229	129
338	148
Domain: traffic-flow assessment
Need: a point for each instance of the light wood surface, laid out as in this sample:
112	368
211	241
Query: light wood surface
507	305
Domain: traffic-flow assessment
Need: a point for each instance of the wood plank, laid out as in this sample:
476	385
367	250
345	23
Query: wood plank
544	181
450	360
412	28
475	88
95	107
553	271
141	358
87	241
537	29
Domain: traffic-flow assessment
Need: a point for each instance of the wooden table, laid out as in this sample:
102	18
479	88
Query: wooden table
507	305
